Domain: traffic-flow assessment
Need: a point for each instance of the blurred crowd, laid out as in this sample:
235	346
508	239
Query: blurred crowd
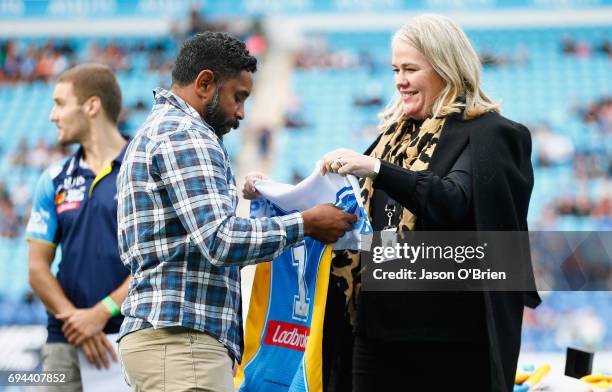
15	201
315	53
552	325
492	59
25	63
588	162
28	63
14	209
315	56
599	113
22	62
39	156
581	49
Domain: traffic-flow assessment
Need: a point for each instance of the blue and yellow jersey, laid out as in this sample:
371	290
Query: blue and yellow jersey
76	209
284	327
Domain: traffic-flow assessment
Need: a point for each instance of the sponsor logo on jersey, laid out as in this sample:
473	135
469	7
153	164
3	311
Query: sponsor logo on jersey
59	198
69	195
75	194
38	222
68	206
292	336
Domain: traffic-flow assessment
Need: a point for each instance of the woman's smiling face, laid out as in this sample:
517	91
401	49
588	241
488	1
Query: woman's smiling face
417	82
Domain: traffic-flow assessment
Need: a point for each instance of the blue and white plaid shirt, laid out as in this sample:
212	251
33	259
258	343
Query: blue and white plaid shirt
178	233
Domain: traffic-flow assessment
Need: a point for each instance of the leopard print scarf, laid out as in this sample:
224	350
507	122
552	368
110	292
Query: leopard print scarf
407	145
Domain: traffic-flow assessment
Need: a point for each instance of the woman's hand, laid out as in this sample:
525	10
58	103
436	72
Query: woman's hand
344	161
249	191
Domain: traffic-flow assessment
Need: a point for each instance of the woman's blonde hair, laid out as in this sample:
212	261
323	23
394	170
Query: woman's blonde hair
451	55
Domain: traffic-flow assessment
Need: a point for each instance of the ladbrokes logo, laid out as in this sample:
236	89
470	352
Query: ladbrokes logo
287	335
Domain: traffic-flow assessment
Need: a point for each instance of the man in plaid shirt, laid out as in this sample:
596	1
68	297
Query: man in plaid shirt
178	232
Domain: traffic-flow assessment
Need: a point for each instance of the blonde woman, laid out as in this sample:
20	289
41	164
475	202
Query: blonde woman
445	159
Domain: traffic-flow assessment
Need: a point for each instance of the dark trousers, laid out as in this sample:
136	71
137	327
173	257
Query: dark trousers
380	365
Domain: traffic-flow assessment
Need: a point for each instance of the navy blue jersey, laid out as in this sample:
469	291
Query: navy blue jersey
76	209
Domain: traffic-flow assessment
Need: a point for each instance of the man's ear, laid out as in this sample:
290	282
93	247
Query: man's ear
205	85
92	106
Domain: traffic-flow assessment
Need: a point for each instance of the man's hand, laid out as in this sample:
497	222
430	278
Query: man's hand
96	349
82	324
249	191
327	223
344	161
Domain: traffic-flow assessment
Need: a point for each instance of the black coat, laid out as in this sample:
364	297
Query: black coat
502	181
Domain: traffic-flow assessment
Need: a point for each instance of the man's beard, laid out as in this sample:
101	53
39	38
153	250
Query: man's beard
216	118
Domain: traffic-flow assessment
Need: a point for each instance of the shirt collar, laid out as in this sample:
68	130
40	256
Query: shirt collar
77	158
162	96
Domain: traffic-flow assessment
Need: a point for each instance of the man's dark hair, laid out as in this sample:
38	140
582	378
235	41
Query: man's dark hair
221	53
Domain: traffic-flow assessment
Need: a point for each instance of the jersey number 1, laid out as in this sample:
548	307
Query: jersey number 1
301	302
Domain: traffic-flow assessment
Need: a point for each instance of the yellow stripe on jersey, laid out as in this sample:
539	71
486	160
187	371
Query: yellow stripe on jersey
258	309
103	173
313	357
53	244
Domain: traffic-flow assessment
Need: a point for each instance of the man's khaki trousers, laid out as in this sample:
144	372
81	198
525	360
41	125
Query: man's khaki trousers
175	359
